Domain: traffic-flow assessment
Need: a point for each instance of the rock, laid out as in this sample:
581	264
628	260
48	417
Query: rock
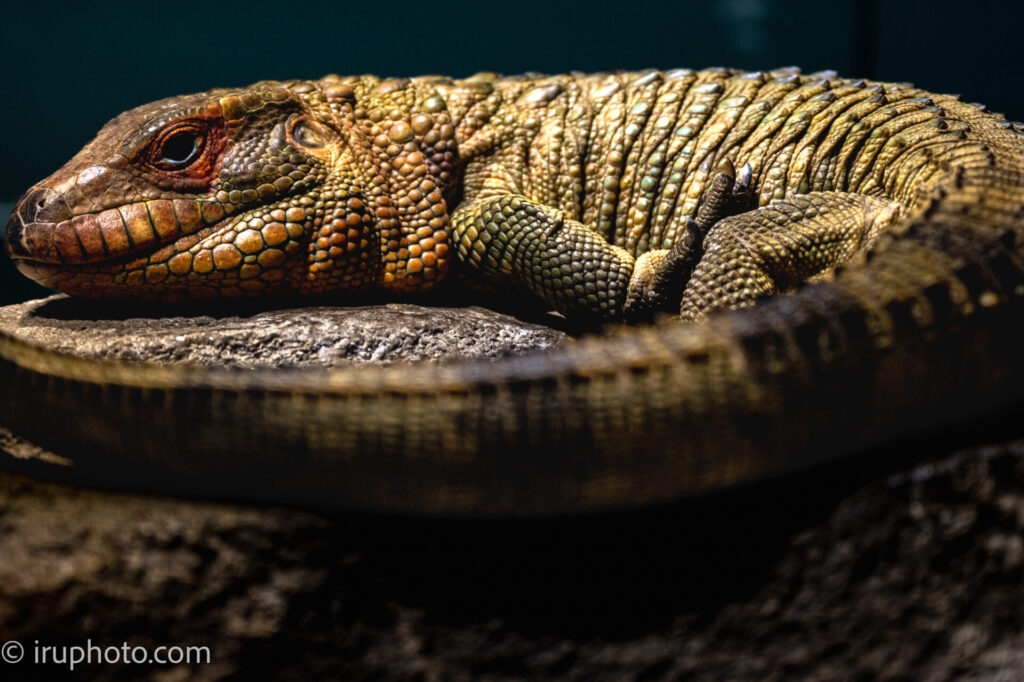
246	336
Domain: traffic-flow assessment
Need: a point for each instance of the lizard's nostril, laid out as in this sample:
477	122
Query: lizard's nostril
42	205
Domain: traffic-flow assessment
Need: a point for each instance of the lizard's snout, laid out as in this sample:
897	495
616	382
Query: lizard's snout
13	237
29	231
45	229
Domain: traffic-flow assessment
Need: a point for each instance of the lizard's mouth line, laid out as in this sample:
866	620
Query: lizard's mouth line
43	273
112	235
86	277
165	264
98	279
75	278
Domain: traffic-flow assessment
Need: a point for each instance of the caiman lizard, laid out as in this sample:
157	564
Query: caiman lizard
842	259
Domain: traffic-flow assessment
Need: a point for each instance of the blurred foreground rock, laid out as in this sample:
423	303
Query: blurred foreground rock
871	568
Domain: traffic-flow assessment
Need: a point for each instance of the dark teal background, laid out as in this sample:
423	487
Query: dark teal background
69	67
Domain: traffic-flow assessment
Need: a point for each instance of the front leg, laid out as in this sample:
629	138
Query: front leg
511	242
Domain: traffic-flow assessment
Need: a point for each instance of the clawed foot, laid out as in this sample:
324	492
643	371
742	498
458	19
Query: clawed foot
659	277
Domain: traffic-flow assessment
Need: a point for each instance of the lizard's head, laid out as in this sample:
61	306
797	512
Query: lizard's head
299	186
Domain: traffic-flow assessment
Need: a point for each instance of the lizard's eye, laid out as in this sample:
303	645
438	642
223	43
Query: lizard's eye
306	135
178	148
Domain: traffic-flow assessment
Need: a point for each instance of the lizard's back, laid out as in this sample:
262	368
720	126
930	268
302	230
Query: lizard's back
630	154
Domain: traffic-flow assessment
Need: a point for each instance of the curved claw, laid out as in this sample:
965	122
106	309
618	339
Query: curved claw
726	168
694	234
743	180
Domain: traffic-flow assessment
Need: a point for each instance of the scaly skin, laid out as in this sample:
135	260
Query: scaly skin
869	235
